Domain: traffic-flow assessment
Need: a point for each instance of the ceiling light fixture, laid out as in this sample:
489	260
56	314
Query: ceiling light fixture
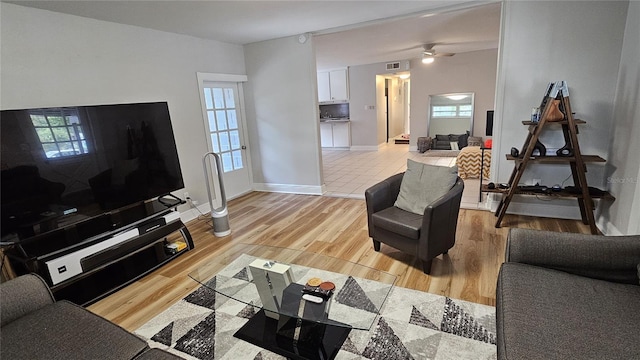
404	76
427	59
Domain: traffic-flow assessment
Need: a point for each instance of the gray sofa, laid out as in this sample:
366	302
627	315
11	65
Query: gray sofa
35	326
568	296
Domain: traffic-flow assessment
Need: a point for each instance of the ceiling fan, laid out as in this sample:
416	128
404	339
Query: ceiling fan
429	53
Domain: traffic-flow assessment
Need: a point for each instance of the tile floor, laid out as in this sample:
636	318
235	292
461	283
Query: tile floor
349	173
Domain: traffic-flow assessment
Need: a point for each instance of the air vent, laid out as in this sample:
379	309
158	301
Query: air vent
393	66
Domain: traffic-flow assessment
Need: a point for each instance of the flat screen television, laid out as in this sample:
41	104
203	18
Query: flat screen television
61	166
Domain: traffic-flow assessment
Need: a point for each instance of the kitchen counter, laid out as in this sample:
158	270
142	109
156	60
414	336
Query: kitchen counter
334	120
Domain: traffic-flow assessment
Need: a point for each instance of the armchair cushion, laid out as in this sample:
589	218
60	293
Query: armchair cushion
399	221
422	184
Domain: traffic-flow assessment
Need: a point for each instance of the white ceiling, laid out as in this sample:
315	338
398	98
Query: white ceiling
346	32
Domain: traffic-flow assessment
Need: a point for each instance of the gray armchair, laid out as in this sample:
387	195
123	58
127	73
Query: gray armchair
568	296
425	236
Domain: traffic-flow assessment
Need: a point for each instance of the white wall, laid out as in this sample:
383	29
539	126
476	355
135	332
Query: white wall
466	72
623	165
576	41
362	93
282	116
53	59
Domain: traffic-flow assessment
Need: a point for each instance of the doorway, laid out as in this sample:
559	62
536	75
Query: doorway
224	123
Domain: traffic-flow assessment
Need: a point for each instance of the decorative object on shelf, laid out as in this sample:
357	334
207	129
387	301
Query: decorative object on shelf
515	152
565	151
554	113
542	150
271	278
488	143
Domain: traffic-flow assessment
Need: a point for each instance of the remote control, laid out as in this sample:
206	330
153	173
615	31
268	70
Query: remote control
315	299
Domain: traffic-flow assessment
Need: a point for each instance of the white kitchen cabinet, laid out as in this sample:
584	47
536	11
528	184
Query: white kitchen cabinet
333	86
326	134
335	134
341	135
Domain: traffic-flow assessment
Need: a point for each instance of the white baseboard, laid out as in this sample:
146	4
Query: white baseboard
191	214
289	189
607	227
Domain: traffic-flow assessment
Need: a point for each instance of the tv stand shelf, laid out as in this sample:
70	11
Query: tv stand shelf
86	270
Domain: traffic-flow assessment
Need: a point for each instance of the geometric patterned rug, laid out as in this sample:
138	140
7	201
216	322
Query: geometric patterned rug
411	325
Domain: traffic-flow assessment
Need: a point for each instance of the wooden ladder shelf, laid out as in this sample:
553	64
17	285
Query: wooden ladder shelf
558	91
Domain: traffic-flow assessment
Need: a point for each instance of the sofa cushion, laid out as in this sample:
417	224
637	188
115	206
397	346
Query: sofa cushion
422	184
442	138
63	328
474	141
398	221
549	314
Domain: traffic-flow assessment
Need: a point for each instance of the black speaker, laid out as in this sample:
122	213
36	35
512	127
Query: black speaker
514	152
489	128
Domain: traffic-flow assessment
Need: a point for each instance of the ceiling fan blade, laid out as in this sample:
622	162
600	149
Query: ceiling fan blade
443	54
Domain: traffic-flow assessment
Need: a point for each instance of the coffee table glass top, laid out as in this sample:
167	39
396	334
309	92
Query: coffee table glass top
359	294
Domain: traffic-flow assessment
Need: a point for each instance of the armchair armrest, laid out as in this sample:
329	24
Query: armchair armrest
382	195
611	258
440	222
23	295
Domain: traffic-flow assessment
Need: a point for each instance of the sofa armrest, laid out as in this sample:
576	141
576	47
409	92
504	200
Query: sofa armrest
611	258
23	295
381	196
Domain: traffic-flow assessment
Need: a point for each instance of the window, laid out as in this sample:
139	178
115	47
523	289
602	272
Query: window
450	111
59	132
223	126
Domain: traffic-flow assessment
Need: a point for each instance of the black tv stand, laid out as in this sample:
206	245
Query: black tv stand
84	267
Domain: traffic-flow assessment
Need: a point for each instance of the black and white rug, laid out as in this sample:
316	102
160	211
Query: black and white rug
411	325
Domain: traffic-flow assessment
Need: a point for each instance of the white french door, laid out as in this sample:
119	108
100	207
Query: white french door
225	134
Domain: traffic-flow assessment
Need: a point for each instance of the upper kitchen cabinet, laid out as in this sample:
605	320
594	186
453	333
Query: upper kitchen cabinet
333	86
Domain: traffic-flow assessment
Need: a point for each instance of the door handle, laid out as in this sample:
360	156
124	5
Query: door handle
243	147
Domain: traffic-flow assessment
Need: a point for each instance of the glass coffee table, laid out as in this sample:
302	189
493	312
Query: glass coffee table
305	303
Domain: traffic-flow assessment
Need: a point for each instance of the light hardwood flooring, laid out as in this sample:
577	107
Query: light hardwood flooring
335	227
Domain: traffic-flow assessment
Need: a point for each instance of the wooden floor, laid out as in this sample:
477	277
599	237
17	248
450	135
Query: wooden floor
336	227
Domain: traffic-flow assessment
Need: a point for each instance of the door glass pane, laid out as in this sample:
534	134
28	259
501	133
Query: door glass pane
207	98
212	121
237	159
218	99
221	116
214	142
228	97
231	119
224	141
227	164
235	139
